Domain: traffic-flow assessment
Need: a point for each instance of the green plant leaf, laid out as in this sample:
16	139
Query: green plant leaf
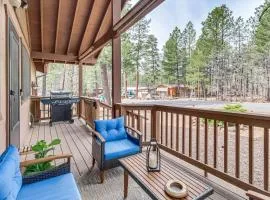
55	142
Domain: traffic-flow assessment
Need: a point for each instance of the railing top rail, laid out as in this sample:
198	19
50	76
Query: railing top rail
260	120
97	100
105	105
136	106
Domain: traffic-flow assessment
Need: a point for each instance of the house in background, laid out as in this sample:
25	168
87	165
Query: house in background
170	91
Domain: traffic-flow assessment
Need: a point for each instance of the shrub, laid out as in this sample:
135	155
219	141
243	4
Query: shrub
234	108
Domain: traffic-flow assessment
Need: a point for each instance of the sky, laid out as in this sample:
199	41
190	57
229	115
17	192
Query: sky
173	13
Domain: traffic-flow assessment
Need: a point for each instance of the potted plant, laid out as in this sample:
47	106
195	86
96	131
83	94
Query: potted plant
44	170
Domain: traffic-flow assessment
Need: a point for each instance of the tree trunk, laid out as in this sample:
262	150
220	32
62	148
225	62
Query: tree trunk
96	83
44	87
105	83
268	89
64	77
137	82
126	85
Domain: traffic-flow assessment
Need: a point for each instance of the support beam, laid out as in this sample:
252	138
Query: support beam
51	56
86	27
98	29
57	26
72	28
41	25
96	47
80	92
141	9
116	58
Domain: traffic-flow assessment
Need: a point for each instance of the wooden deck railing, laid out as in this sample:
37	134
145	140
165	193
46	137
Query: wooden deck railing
92	109
42	112
231	146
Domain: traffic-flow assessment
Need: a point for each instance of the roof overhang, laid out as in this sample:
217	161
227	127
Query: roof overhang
75	31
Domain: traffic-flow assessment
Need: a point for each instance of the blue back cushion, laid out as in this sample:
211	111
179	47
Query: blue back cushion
10	175
112	129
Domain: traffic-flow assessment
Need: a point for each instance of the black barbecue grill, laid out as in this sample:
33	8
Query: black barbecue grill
60	106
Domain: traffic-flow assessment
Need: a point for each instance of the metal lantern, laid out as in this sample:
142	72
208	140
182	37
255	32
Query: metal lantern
153	157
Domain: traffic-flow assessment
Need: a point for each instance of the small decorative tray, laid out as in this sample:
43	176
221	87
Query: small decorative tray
176	189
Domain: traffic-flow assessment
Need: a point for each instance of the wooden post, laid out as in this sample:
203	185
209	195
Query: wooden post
157	125
153	123
80	87
116	58
125	183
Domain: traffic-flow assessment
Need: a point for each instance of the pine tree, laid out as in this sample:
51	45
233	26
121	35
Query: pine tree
128	63
152	61
174	58
139	34
215	45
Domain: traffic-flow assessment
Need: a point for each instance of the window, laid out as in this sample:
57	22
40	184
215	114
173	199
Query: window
26	69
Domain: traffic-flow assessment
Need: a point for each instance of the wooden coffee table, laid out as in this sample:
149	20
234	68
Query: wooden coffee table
153	182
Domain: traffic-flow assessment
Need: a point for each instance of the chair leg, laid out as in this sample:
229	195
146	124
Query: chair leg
101	176
93	162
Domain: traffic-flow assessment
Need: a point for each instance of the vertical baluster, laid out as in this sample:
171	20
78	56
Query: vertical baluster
48	111
145	118
166	132
161	126
139	121
250	154
128	120
190	136
108	116
198	139
237	150
171	130
225	147
150	126
177	132
183	133
103	113
205	144
133	118
266	158
215	143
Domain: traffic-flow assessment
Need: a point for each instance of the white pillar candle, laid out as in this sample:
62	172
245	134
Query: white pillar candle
153	160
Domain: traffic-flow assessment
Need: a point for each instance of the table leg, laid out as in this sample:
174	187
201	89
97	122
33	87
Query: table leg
125	183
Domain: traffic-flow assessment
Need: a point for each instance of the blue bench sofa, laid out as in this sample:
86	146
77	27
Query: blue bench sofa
62	187
113	140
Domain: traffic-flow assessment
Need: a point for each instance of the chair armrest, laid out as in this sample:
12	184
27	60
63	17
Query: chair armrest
256	196
138	139
139	134
98	135
42	160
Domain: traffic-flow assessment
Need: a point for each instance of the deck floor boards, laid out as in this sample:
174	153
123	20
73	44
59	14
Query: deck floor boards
76	139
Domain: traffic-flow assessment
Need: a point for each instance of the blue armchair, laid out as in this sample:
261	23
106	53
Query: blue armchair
113	140
13	186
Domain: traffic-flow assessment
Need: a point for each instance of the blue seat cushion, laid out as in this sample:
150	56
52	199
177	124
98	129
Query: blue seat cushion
112	129
61	188
10	175
120	148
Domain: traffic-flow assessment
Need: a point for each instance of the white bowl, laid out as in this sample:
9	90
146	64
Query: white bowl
176	189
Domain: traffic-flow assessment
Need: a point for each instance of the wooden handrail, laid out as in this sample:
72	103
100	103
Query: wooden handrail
194	127
42	160
260	120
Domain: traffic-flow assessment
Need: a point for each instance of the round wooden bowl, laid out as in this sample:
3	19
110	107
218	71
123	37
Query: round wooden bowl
176	189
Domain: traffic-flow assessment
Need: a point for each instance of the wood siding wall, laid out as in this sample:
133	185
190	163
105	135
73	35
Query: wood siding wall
6	9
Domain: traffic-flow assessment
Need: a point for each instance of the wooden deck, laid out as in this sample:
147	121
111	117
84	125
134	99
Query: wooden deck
76	139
